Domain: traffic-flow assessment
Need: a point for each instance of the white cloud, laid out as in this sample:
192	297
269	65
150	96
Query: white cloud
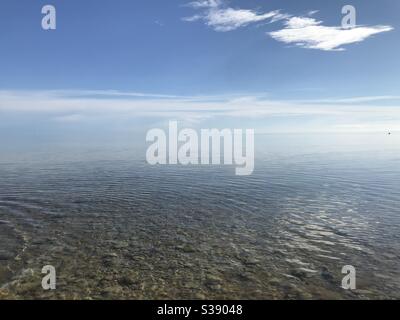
222	18
205	4
357	100
301	22
88	106
305	32
309	33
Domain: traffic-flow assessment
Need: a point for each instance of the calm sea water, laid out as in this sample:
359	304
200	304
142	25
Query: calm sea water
115	227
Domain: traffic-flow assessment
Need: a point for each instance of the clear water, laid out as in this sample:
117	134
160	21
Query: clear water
117	228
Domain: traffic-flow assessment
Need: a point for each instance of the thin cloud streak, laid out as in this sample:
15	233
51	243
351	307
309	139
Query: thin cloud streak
66	107
221	18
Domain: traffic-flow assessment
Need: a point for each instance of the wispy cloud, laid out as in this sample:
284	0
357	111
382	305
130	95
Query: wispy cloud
218	16
395	100
309	33
304	32
329	114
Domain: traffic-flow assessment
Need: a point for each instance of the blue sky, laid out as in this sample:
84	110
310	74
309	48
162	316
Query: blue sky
281	61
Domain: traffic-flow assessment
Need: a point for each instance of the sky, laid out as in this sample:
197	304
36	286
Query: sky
276	65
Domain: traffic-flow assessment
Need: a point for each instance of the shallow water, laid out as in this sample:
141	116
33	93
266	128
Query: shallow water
115	227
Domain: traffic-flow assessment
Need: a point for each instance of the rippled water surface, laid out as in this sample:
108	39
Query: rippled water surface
115	227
